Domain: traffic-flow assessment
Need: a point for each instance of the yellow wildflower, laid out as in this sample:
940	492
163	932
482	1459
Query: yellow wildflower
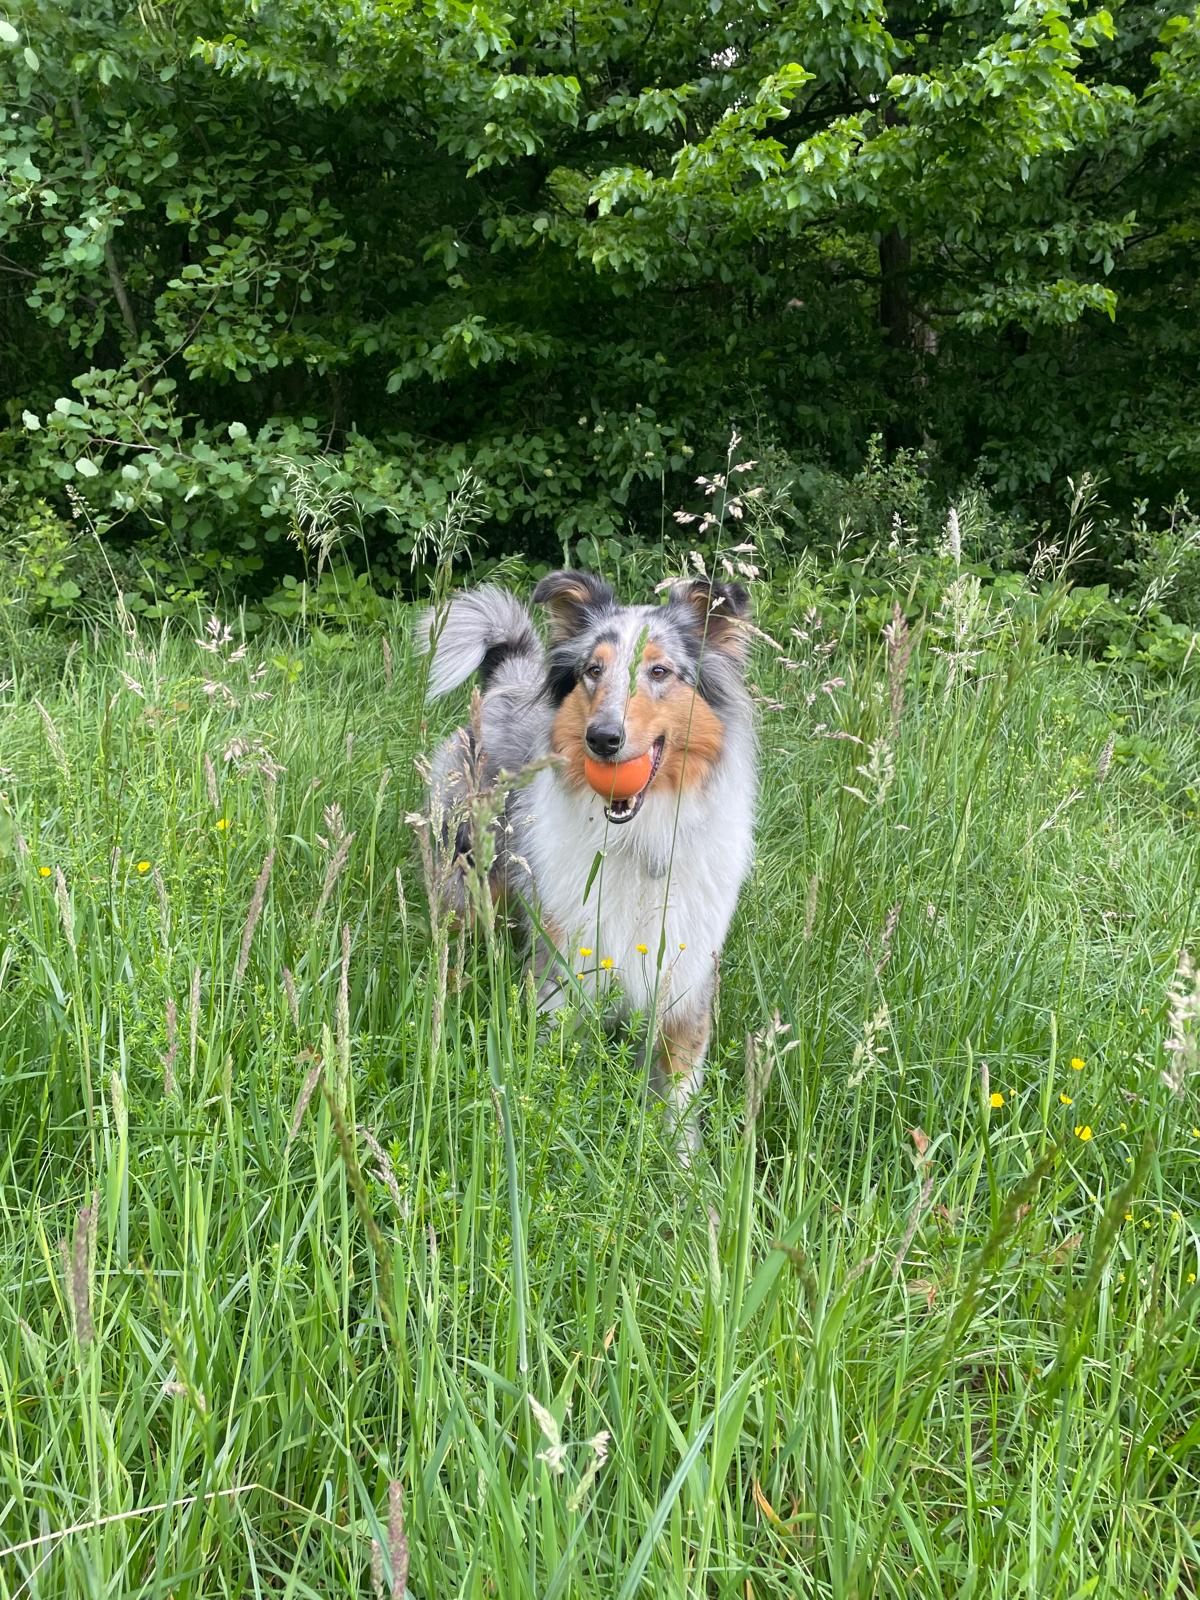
1191	1277
585	950
1066	1099
1083	1131
43	872
606	963
143	866
997	1101
683	947
1077	1064
642	949
222	824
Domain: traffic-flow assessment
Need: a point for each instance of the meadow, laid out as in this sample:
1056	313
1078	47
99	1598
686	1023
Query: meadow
327	1266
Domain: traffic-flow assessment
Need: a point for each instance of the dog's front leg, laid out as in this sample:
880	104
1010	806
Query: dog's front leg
679	1073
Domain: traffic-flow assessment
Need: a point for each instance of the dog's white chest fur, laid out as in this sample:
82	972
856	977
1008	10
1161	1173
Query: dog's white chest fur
668	880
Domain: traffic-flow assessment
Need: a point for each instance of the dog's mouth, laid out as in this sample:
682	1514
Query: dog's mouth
626	810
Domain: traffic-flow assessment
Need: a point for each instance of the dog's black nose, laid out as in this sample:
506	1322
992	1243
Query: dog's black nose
604	739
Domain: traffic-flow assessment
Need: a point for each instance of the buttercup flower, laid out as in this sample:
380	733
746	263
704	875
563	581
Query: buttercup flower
1083	1131
143	866
222	824
642	949
1066	1099
1077	1064
43	872
997	1101
584	950
606	963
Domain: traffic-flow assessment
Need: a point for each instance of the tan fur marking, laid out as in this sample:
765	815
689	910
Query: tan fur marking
566	735
693	730
567	601
682	1045
722	630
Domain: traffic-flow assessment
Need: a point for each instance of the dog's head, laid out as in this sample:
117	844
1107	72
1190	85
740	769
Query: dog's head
630	681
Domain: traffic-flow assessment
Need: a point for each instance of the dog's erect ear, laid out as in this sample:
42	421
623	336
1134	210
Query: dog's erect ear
573	599
717	611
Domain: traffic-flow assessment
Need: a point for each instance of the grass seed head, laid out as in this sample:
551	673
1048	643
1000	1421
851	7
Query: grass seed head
80	1284
193	1021
1105	760
65	911
899	637
168	1061
1182	1044
397	1540
307	1089
252	916
289	989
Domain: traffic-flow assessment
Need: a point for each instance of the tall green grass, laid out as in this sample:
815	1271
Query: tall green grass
902	1330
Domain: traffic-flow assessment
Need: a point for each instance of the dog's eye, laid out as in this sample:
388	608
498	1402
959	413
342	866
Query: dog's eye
658	672
594	671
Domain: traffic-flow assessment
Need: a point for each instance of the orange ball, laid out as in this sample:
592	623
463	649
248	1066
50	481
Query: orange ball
619	780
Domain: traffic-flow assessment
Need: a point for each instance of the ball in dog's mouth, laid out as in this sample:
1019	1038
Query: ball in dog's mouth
625	810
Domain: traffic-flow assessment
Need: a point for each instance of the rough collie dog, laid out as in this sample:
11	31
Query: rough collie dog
630	897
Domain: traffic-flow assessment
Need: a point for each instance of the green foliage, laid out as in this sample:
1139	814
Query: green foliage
565	247
43	563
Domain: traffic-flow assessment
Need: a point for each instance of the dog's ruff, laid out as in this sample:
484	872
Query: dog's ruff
674	858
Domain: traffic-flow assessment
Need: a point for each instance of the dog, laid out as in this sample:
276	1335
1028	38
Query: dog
641	889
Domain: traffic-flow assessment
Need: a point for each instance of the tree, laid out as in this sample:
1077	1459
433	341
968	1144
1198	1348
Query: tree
566	244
